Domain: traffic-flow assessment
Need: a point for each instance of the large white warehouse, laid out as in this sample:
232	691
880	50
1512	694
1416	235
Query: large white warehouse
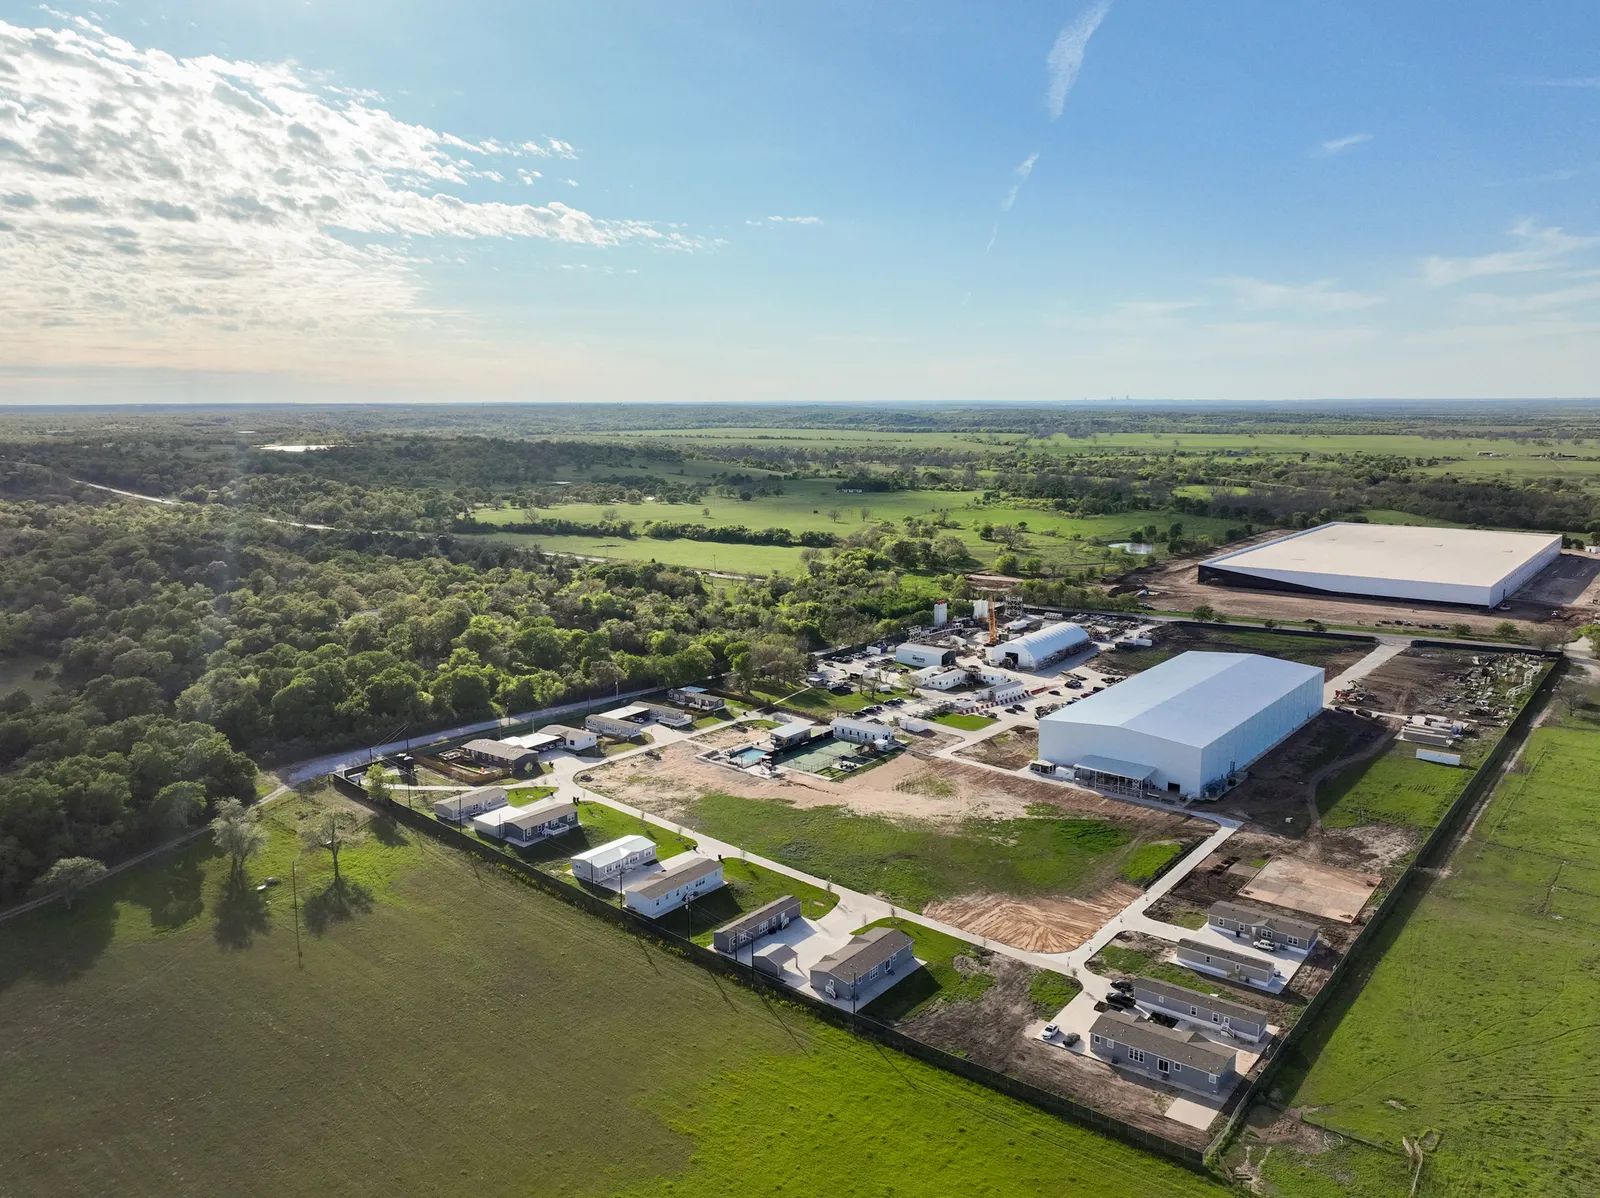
1040	649
1469	566
1183	726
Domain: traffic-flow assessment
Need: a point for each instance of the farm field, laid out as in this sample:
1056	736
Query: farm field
1396	788
1477	1023
162	1040
1333	654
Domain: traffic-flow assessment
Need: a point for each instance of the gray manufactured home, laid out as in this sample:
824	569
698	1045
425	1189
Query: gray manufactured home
1250	924
1183	1059
1246	1023
763	921
1235	966
857	967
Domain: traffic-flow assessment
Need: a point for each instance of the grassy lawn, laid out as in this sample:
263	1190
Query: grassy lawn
967	723
1308	650
748	887
1147	861
817	700
1131	960
695	555
1395	788
1478	1021
938	979
1051	991
162	1039
598	825
911	863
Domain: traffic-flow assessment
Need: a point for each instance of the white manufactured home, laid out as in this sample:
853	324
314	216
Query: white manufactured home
614	858
469	803
683	879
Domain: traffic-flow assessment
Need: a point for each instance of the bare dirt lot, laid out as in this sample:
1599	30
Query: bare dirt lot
1173	586
1320	890
910	786
1010	750
1279	796
1047	925
1443	681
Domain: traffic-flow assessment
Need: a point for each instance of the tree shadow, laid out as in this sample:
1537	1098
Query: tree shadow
241	913
54	945
386	830
171	890
335	903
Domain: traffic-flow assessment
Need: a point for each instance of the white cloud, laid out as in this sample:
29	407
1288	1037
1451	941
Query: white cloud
1066	56
156	201
1338	145
787	220
1540	248
1024	169
1541	301
1318	296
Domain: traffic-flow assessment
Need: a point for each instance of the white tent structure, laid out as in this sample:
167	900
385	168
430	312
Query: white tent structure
1184	726
1469	566
1040	649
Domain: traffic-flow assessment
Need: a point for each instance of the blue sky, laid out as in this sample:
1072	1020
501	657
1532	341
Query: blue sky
357	200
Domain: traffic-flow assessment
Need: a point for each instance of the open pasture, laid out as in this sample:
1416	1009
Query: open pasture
163	1039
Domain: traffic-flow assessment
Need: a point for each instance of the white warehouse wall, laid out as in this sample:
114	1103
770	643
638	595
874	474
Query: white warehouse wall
1067	744
1260	732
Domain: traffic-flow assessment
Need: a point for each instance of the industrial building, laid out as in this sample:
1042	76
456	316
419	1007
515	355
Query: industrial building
614	858
1184	727
1041	649
1466	566
922	656
685	877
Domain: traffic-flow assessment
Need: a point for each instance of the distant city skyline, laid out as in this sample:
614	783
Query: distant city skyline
903	202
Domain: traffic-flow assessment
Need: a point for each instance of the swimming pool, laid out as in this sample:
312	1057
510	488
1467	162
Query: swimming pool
751	756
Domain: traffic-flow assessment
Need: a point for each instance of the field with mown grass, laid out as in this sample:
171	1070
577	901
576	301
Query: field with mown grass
1478	1021
913	863
163	1039
1396	788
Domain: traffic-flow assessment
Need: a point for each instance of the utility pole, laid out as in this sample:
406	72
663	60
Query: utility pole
294	890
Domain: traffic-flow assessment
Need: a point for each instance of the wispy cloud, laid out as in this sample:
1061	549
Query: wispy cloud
1319	296
786	220
1539	248
202	201
1581	81
1338	145
1024	169
1066	56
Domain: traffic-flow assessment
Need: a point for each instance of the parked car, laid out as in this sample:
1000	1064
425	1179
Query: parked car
1265	945
1051	1031
1119	1001
1122	984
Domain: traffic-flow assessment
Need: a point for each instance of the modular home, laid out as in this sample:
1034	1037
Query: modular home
501	755
622	722
1237	967
470	802
863	732
763	921
941	678
695	698
1233	1018
857	967
1248	924
574	740
614	858
670	716
685	877
1183	1059
539	821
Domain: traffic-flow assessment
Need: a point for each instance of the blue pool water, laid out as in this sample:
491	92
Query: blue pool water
748	756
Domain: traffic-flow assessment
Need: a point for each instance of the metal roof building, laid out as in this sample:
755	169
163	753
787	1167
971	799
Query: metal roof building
1040	649
1182	727
1469	566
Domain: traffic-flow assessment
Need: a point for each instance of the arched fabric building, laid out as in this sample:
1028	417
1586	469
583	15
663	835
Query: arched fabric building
1040	649
1183	726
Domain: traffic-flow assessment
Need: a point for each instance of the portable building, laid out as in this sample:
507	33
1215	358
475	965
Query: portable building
695	698
614	858
470	802
684	878
752	926
539	821
863	732
1186	1060
502	755
1249	924
863	962
922	656
1233	1018
1225	962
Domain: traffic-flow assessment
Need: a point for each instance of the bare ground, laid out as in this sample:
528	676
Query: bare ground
1043	925
1010	750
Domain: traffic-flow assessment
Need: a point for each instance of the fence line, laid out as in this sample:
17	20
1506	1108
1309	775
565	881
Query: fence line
853	1021
1437	845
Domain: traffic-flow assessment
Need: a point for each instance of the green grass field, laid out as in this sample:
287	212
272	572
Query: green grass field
967	723
162	1039
913	864
1131	960
1308	650
816	700
1146	862
1396	788
748	887
937	981
1478	1022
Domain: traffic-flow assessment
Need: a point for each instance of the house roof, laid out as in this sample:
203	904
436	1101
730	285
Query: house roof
478	794
498	749
565	730
1226	954
679	871
871	948
631	711
871	727
1282	924
1192	699
1186	1048
541	812
614	850
762	913
1197	998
